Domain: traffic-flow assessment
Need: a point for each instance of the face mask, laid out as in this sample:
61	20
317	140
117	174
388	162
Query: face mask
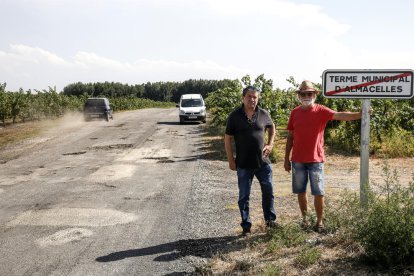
307	102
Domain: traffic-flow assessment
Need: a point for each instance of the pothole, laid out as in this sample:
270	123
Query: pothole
152	154
112	147
75	153
161	159
119	125
166	161
107	185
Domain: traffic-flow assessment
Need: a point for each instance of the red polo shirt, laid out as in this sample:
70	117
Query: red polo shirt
308	126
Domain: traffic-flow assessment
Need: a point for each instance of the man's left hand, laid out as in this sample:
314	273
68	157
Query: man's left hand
267	150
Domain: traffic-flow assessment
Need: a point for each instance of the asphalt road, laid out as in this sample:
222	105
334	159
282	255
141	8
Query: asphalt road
101	198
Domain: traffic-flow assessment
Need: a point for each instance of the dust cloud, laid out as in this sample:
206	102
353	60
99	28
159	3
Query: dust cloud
64	124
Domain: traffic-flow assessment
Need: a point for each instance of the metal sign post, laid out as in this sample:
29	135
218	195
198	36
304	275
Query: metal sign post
366	85
364	162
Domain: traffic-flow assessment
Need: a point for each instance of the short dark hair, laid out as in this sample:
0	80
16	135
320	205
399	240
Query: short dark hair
250	88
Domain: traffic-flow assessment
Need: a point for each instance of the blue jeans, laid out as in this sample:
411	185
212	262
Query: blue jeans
301	172
245	178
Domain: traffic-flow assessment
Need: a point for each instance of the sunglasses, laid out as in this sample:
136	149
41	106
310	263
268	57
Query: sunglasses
309	94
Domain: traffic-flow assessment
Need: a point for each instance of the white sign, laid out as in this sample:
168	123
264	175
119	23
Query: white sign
368	84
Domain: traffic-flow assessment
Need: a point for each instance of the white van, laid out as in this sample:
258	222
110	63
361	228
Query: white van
192	108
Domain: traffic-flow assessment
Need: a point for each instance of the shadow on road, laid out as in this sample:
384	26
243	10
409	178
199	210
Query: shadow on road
168	123
204	248
178	123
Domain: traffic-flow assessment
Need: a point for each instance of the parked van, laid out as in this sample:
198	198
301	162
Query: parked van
192	108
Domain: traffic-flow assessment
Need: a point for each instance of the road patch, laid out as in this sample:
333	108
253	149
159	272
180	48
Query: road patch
64	236
73	217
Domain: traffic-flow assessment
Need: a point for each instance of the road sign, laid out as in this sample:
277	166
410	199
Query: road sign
368	84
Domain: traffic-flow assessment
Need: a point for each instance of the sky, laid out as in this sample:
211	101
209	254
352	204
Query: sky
53	43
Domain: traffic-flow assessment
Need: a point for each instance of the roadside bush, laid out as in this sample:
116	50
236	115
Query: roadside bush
385	226
397	143
343	214
388	232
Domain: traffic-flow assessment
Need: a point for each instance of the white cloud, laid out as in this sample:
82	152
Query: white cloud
35	68
86	60
34	55
175	40
25	54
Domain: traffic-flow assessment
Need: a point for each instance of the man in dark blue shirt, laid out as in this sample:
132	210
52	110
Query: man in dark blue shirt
247	126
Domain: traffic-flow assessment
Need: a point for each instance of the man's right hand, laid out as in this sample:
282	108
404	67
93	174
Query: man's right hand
288	165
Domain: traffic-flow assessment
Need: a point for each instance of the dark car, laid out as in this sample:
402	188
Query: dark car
97	108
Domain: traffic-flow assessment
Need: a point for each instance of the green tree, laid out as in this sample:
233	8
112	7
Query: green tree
223	101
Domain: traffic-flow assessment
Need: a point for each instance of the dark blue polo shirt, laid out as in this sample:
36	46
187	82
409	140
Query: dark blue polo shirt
249	137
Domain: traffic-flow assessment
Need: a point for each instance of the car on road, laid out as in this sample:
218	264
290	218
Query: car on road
97	108
192	108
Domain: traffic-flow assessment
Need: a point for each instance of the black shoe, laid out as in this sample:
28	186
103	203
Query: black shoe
271	224
246	231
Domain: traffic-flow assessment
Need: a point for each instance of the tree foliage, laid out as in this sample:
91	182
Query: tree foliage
392	122
157	91
47	104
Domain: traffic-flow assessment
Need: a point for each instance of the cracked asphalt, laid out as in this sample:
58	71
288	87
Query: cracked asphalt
133	196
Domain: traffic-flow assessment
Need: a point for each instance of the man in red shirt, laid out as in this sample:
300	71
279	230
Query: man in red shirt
306	128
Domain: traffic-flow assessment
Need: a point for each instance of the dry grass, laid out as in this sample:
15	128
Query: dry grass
14	133
19	137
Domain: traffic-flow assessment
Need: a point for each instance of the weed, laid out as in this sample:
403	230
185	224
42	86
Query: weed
289	235
272	270
342	214
243	265
203	270
308	257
